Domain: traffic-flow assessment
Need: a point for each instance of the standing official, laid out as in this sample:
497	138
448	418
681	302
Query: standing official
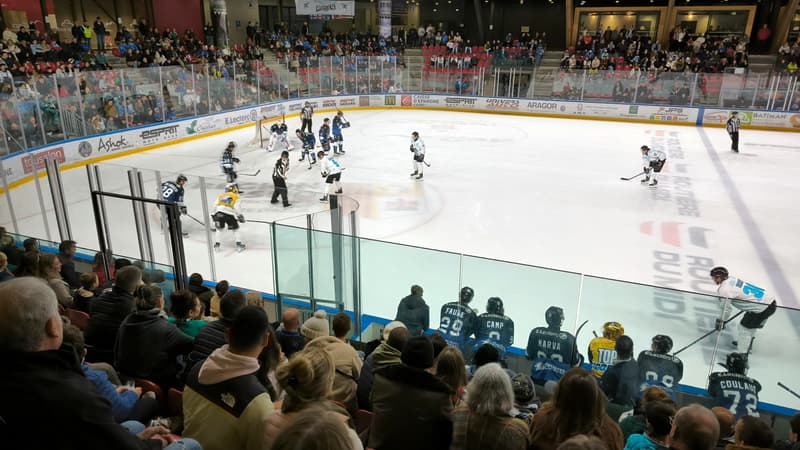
305	114
733	130
279	179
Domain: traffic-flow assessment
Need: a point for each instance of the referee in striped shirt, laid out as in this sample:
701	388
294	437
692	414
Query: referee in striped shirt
733	130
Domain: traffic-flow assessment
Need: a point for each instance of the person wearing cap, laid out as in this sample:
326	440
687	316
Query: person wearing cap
732	127
316	326
411	407
395	335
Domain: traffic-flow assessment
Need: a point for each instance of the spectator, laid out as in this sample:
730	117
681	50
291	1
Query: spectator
525	402
794	435
99	29
345	358
413	312
28	265
30	245
315	326
621	382
726	421
658	416
219	290
694	428
66	253
485	354
752	433
289	333
578	406
307	380
635	423
485	421
126	403
202	292
388	353
83	296
50	271
186	312
439	344
316	429
148	346
38	366
97	267
407	397
224	405
583	442
5	274
451	369
158	278
212	336
110	308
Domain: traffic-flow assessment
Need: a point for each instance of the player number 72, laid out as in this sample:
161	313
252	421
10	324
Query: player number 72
751	405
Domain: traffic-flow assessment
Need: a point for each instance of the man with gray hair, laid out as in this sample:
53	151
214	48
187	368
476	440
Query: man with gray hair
109	309
694	427
41	382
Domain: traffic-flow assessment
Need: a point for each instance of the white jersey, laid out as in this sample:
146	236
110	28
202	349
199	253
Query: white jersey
652	156
744	295
419	147
329	166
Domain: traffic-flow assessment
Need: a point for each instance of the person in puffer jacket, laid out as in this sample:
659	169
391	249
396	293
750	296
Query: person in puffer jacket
659	423
387	353
414	312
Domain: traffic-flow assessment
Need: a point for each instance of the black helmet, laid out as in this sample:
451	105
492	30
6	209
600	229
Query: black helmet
644	147
662	343
736	363
719	271
554	316
231	144
495	306
181	177
466	295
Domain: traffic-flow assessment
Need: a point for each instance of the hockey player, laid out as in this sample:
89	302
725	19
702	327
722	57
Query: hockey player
552	350
458	319
733	389
325	135
339	123
283	135
657	367
279	175
494	327
305	115
418	149
332	173
172	191
308	141
602	349
732	127
228	212
653	161
274	134
746	297
228	163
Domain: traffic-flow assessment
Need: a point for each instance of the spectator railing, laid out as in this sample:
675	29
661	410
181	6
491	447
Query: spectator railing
40	110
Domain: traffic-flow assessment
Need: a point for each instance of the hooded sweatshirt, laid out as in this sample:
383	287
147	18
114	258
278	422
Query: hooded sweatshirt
414	313
642	442
224	405
384	355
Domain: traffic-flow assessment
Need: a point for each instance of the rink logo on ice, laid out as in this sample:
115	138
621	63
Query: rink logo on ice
674	233
85	149
112	144
36	160
162	134
500	104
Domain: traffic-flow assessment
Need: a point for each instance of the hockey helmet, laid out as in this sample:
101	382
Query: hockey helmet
466	295
613	330
231	145
662	344
415	134
737	363
719	271
495	306
554	316
231	187
181	178
645	148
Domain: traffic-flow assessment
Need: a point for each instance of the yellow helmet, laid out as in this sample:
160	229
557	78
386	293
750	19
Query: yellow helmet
613	330
231	187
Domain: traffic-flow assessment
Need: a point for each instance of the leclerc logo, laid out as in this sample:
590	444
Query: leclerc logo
671	233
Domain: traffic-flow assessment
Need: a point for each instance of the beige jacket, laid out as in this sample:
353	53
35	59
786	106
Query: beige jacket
348	369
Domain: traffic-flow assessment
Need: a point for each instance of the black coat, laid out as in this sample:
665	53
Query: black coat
414	314
107	312
148	346
68	272
621	383
210	338
47	402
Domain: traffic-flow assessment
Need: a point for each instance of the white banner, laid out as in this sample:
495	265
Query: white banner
385	18
325	8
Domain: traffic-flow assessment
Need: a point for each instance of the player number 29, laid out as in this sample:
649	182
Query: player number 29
554	356
666	380
455	330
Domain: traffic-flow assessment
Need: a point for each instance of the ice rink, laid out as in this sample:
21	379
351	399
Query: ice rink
537	191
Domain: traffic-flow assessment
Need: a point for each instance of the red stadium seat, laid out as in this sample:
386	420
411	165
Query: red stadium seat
78	318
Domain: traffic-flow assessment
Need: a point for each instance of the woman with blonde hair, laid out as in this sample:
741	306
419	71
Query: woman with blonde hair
486	421
316	429
578	406
50	271
307	381
451	368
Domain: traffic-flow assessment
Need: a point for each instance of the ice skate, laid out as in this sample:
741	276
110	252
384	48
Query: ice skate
339	191
653	183
324	198
287	205
185	234
240	247
216	246
645	180
419	177
414	174
274	202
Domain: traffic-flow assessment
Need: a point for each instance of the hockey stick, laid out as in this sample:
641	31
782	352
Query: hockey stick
195	219
707	334
258	221
251	174
788	390
576	338
631	178
426	163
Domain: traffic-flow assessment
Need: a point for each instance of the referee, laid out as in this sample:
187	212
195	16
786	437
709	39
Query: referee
733	130
279	179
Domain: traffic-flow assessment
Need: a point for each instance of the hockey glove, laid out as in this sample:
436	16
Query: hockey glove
184	210
411	147
240	218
